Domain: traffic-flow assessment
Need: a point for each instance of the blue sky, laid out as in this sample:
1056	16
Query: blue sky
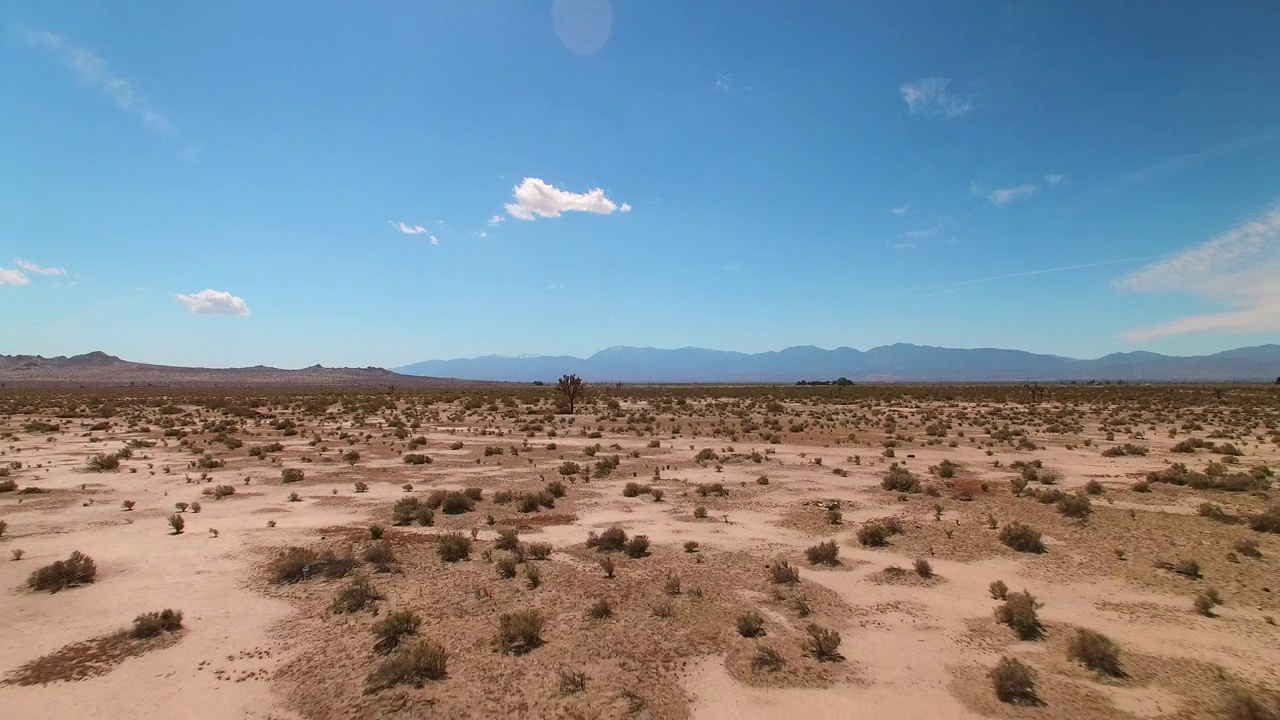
580	174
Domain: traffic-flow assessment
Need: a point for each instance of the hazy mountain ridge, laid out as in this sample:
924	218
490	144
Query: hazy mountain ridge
898	362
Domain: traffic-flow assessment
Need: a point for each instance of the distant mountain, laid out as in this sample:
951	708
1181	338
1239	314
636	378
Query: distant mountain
901	362
100	369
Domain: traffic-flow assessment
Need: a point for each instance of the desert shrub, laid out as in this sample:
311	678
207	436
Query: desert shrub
356	596
1205	601
705	489
1126	449
77	569
826	552
700	513
1243	704
998	589
784	573
750	624
923	568
1097	651
453	547
502	497
177	523
8	485
102	462
415	664
555	488
1093	487
292	564
823	643
292	475
568	468
519	632
506	568
380	556
637	546
608	566
899	479
601	609
1248	547
474	494
1014	682
767	659
1022	538
392	629
1019	612
221	491
1188	568
631	489
1268	521
455	503
416	459
873	535
1075	506
533	575
1213	511
613	539
148	625
540	551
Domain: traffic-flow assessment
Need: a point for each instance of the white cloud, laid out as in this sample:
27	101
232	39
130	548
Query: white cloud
534	197
434	241
479	234
408	229
1191	159
901	210
1003	196
1053	178
34	268
922	233
213	302
1238	269
930	96
903	246
495	220
92	71
12	277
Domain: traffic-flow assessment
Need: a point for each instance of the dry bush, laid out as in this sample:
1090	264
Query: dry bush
453	547
637	546
1268	521
783	572
520	632
1019	612
613	539
767	659
392	629
1243	704
571	681
380	555
826	552
356	596
506	568
1075	506
148	625
873	535
177	523
750	624
539	550
998	589
608	566
923	568
416	459
1022	538
292	565
601	609
1014	682
1206	601
1248	547
1097	651
899	479
77	569
292	475
823	643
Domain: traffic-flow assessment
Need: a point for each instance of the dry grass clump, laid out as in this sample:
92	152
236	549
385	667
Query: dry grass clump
1243	704
356	596
392	629
612	540
784	573
827	553
899	479
77	569
1022	538
453	547
411	509
148	625
1019	612
1096	651
520	632
292	475
767	659
414	665
750	624
1014	682
823	643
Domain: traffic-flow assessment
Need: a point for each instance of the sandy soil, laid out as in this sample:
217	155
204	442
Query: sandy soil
910	646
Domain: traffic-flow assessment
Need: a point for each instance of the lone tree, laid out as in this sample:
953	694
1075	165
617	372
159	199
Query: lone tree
571	387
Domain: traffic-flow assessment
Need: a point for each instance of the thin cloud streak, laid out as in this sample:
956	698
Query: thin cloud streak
1186	160
949	287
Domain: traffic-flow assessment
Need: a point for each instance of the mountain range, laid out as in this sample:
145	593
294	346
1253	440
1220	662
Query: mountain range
888	363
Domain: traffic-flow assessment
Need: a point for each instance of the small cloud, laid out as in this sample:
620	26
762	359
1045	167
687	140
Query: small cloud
479	234
34	268
922	233
901	210
722	83
495	220
1191	159
534	197
191	152
1237	268
213	302
626	207
92	71
930	96
408	229
1003	196
442	225
903	246
553	288
12	277
1053	178
434	241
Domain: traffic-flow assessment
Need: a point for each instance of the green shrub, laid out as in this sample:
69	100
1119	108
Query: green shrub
455	503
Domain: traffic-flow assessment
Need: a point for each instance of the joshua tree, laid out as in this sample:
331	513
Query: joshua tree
571	387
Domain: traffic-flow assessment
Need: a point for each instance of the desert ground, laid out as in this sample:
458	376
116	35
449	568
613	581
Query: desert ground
1067	551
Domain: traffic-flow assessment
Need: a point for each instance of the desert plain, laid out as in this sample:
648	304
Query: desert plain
1067	551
